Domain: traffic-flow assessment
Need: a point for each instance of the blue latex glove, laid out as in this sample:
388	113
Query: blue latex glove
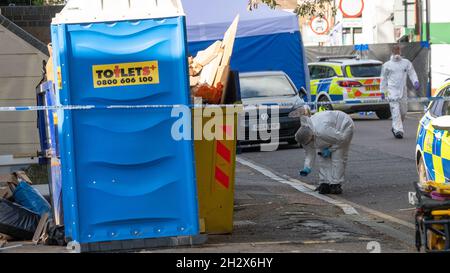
305	172
417	86
326	153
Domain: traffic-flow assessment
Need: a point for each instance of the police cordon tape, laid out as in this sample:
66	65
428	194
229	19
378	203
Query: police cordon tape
162	106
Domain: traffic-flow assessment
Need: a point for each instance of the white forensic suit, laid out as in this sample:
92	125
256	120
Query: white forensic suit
332	130
393	84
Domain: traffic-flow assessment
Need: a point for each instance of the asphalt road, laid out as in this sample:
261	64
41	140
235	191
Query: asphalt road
381	170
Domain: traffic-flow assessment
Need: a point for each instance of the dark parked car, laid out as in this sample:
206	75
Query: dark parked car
268	89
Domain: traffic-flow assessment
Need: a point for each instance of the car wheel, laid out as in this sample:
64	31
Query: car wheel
327	107
383	114
422	170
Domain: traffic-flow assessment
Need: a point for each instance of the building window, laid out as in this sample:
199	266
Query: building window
352	36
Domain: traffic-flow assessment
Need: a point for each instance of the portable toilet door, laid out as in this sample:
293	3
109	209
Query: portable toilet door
124	176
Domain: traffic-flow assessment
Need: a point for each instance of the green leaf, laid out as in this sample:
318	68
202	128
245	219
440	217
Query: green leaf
308	8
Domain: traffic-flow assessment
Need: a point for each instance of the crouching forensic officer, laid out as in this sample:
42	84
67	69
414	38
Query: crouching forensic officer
327	134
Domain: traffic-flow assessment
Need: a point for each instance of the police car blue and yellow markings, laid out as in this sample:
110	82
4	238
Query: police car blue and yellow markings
434	146
441	159
324	85
348	87
370	88
125	74
336	93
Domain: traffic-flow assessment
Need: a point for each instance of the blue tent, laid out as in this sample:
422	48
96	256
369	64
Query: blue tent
266	40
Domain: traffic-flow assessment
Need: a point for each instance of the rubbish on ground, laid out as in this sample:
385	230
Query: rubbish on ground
17	221
30	198
55	236
21	206
4	240
209	70
7	186
5	237
14	179
41	230
4	179
5	192
21	176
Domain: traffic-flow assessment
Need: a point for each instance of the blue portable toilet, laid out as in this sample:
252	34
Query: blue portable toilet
124	176
267	39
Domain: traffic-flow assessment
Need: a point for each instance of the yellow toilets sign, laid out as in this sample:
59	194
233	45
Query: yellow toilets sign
125	74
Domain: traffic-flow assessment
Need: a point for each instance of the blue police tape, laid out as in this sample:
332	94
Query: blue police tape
111	107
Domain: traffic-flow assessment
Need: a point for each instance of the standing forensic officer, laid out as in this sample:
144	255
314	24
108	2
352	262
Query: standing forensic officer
393	84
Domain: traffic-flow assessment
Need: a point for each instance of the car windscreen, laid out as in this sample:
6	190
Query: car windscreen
366	70
266	86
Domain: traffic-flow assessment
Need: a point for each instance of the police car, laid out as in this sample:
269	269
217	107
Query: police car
433	141
349	79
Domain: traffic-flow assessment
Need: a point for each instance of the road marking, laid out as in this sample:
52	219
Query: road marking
409	209
253	205
348	207
300	186
243	223
10	247
324	242
373	212
381	215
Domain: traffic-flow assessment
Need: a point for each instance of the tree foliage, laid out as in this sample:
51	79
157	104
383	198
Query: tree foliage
38	2
48	2
303	9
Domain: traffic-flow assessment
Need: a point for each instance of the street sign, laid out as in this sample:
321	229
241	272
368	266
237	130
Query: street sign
351	8
352	23
319	25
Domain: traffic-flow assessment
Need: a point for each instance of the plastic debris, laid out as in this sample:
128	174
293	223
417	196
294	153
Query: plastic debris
30	198
17	221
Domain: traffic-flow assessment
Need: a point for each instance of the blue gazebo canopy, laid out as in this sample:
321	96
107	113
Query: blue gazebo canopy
209	19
